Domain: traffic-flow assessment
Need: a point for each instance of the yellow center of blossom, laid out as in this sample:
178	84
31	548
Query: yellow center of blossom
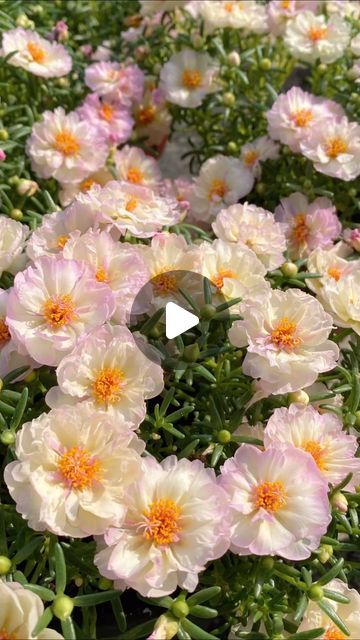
79	469
283	336
146	115
4	332
285	4
218	188
107	112
317	33
164	283
162	525
59	311
300	230
102	275
333	633
228	6
61	241
135	176
250	157
218	279
131	204
270	496
108	385
334	272
191	79
87	184
66	143
316	450
302	117
335	146
37	53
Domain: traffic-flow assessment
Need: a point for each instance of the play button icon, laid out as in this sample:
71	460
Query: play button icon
178	320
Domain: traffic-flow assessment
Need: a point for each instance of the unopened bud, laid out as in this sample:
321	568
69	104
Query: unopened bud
322	68
104	584
208	311
229	99
27	188
180	609
339	501
289	269
325	553
232	147
78	581
224	436
197	40
5	565
16	214
166	627
62	607
300	397
315	592
7	437
191	352
265	64
234	59
4	135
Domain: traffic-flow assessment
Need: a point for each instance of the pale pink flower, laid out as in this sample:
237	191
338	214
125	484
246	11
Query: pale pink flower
53	304
187	77
352	237
108	371
321	436
2	155
255	227
134	166
331	264
176	522
295	114
311	38
102	52
278	502
255	152
309	225
342	300
334	149
110	119
249	16
13	235
10	358
287	337
119	265
69	191
73	469
35	54
63	147
116	82
152	118
279	12
21	610
180	190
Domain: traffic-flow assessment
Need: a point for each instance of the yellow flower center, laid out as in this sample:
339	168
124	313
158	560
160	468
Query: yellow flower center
333	633
4	332
59	311
250	157
61	241
218	279
317	451
102	275
335	146
108	385
135	176
218	188
164	283
107	112
162	525
270	496
66	143
228	6
317	33
79	469
285	4
146	115
283	336
300	230
302	117
87	184
191	79
37	53
334	272
131	204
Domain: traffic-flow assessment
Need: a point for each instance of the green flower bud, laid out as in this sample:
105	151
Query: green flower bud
299	396
224	436
232	147
180	609
234	59
208	311
315	592
326	551
265	64
229	99
62	607
104	584
5	565
7	437
4	135
191	352
339	501
268	563
322	68
16	214
289	269
260	188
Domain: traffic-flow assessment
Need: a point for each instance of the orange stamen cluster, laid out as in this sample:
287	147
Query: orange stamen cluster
87	184
333	633
107	112
191	79
250	157
317	33
270	496
59	311
162	525
79	469
146	115
218	279
102	275
164	283
37	53
107	385
217	188
61	241
335	273
300	230
335	147
131	204
66	143
316	450
283	336
135	176
302	117
4	332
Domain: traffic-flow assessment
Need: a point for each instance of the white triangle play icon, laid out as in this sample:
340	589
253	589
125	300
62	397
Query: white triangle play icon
178	320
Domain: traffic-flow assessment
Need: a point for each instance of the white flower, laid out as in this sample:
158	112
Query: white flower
35	54
331	264
21	610
355	44
349	8
187	77
310	37
13	235
255	152
134	166
342	299
70	190
222	181
72	471
236	14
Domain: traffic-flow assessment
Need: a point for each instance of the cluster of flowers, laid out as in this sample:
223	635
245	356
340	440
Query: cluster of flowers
86	472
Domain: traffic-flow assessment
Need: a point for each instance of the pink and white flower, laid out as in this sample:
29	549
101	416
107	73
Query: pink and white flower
134	166
331	264
287	337
309	225
256	152
13	236
352	237
280	12
71	190
35	54
335	149
222	181
249	16
151	115
256	228
321	436
274	510
187	77
311	37
342	300
10	358
108	371
53	304
110	119
297	113
116	82
176	522
64	147
21	610
73	470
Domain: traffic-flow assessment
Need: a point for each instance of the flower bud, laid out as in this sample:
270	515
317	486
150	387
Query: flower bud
16	214
27	188
325	553
267	563
78	581
23	21
315	592
289	269
104	584
196	40
208	311
180	609
166	627
191	352
229	99
299	396
265	64
7	437
234	59
4	135
5	565
322	68
339	501
62	607
232	147
224	436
